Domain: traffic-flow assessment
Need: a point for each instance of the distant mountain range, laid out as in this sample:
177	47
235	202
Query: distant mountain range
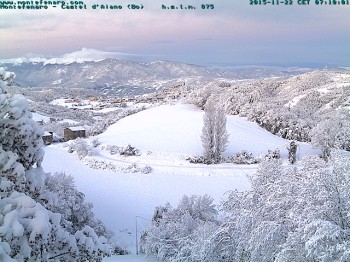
106	72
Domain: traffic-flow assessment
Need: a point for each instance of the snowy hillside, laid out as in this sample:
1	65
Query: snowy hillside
177	129
164	135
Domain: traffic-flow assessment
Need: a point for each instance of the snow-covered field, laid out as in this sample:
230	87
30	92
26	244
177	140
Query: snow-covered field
177	129
164	135
119	197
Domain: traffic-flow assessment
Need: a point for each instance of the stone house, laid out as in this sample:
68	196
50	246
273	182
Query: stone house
73	132
47	138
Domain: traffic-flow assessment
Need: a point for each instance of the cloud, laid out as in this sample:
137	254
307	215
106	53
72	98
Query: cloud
205	39
232	26
164	41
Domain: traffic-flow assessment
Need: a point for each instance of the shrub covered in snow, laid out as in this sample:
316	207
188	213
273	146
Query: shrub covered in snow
243	157
113	149
273	154
132	168
81	147
124	151
146	170
198	160
98	164
129	151
95	142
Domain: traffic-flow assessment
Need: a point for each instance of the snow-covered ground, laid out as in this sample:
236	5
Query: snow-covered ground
165	135
177	129
38	117
120	197
130	258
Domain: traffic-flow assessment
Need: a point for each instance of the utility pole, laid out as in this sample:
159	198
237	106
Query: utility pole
137	247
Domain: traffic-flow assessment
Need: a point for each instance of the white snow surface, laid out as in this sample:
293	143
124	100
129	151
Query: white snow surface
177	129
130	258
294	101
164	135
76	128
119	197
38	117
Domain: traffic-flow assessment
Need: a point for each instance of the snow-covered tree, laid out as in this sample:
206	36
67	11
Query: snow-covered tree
72	205
208	132
175	231
333	132
296	214
25	135
289	215
81	147
29	230
321	213
292	152
214	134
12	175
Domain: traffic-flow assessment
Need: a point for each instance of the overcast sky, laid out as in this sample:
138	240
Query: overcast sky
233	33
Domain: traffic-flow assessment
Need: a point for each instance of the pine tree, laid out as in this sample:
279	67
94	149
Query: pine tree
292	152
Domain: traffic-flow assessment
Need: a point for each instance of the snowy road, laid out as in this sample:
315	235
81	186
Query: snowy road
177	165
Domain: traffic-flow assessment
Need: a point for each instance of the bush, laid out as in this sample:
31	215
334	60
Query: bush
225	84
96	142
243	157
129	151
146	170
198	160
273	154
123	151
113	149
81	147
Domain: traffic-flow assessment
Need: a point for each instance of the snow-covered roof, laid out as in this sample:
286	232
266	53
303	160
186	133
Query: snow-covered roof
76	128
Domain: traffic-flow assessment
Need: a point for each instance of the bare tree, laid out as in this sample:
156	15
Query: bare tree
214	134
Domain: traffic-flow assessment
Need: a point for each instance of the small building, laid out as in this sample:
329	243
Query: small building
47	138
73	132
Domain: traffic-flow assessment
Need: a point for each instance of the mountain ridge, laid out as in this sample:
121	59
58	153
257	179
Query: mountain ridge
122	76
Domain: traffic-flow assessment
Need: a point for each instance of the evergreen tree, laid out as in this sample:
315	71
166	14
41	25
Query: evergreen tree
292	152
